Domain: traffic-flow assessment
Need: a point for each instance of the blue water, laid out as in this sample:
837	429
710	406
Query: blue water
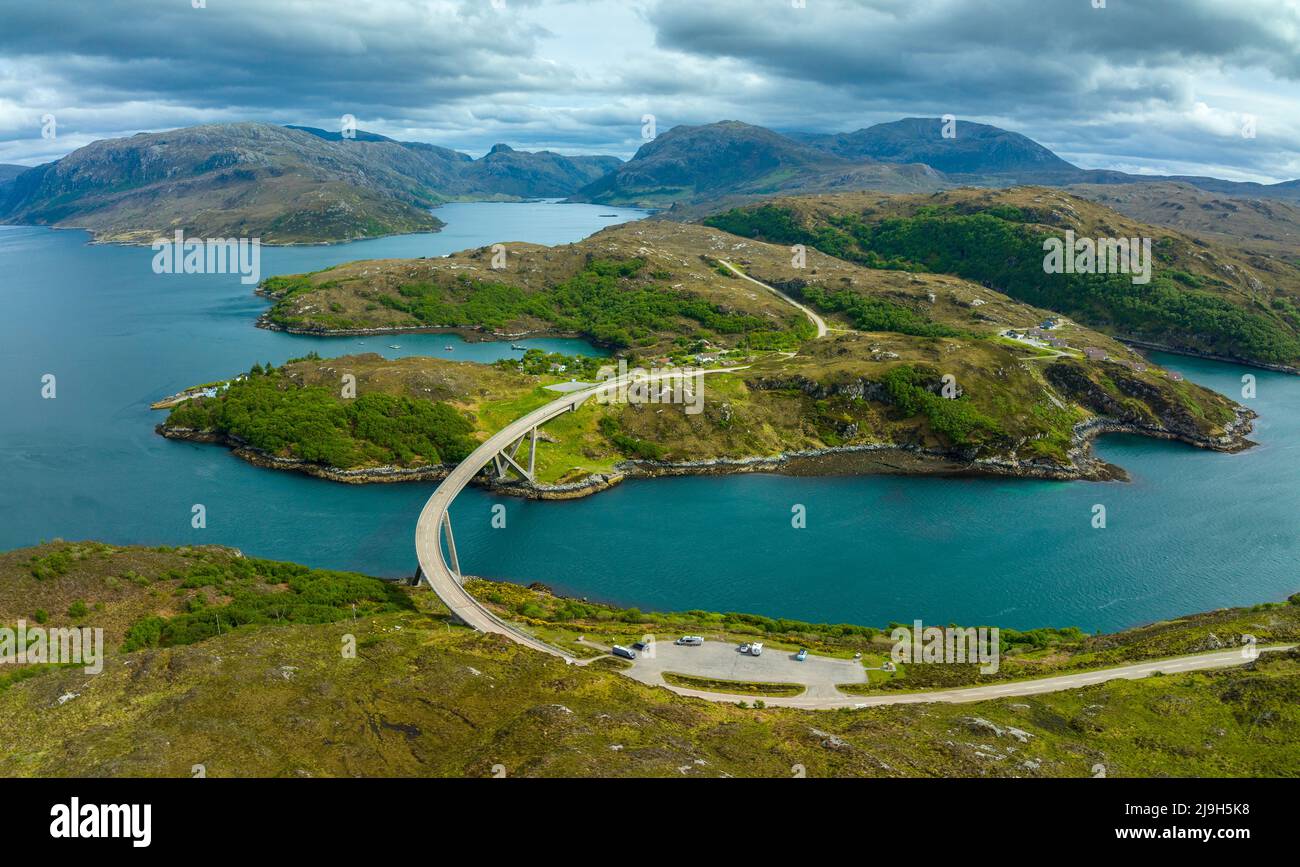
87	464
1194	530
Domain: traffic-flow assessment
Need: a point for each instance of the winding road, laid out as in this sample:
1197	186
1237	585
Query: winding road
807	311
1011	689
446	583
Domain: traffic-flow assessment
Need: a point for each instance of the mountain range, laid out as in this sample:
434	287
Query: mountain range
740	161
297	184
283	184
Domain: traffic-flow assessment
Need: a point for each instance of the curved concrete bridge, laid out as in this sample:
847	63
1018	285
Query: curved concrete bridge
501	449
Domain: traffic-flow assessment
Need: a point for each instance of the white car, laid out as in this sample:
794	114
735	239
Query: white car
690	641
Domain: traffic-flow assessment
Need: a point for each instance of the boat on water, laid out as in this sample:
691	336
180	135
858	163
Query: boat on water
448	347
517	347
394	346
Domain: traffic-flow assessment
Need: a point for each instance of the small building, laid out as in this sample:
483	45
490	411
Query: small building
1049	323
1057	343
1095	354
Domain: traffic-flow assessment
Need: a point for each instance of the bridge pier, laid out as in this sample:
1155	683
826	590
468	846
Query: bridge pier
451	548
506	459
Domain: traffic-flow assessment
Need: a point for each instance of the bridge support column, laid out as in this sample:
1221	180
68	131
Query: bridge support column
451	547
506	459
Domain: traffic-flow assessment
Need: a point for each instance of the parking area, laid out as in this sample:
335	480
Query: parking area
722	660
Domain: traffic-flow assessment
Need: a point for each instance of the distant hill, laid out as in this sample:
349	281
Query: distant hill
7	173
282	184
721	161
1253	223
697	170
976	148
506	171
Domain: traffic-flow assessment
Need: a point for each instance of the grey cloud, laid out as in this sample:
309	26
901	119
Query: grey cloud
1112	86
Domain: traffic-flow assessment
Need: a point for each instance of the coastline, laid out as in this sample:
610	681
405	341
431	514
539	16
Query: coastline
468	333
866	459
1191	353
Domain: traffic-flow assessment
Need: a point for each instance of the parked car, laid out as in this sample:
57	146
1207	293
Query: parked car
640	645
744	648
690	641
801	655
756	649
619	650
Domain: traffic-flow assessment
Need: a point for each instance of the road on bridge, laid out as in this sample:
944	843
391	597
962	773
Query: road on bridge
428	529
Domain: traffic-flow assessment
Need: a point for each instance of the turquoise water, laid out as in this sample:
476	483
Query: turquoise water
1194	530
87	465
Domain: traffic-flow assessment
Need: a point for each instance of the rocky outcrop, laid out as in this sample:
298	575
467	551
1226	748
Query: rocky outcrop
592	484
1150	412
859	389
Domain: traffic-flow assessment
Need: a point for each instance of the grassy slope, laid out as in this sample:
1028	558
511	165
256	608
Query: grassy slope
777	405
935	324
1204	297
424	698
464	292
1031	654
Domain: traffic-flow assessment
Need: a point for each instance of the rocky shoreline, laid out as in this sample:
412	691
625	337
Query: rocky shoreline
871	458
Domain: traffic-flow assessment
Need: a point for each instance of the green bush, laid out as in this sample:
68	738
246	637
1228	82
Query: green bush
312	423
309	596
599	302
629	445
957	420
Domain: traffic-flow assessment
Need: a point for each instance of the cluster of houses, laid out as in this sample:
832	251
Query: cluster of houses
1042	332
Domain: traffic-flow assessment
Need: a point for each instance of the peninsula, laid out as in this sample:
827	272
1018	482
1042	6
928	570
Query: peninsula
1026	387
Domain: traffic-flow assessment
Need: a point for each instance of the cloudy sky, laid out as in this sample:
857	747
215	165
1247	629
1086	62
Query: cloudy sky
1162	86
